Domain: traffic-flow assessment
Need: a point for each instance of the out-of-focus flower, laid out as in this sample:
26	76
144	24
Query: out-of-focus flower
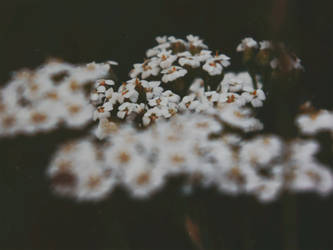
53	94
247	42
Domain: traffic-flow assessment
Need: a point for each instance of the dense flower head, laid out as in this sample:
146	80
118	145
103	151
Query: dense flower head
143	161
313	121
127	103
53	94
269	54
166	84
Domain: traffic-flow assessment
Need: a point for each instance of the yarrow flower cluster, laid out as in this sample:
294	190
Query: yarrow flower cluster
312	121
267	53
177	76
231	102
196	146
55	93
179	114
205	140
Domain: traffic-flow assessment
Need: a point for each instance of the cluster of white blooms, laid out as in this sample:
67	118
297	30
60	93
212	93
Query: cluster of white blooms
169	80
314	121
180	114
173	58
267	53
78	170
178	76
235	91
55	93
198	147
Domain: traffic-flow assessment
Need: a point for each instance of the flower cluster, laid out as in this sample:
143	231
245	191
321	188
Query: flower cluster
235	93
180	114
177	76
55	93
200	148
313	121
267	53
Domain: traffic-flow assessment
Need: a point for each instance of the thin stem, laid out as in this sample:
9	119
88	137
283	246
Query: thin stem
254	79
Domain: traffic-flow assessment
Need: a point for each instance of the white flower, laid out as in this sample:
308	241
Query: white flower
103	82
86	177
161	39
184	54
100	113
172	39
150	70
204	55
274	63
212	96
127	91
142	180
173	73
239	118
297	64
105	128
127	108
189	102
146	69
166	58
94	97
157	49
222	59
101	89
154	114
247	42
108	106
158	101
191	61
255	96
196	41
231	82
138	68
197	87
265	45
260	151
113	62
152	89
315	122
212	67
236	82
215	64
39	100
232	98
111	96
172	97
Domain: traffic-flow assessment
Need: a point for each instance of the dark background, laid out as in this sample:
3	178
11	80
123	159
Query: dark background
33	31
